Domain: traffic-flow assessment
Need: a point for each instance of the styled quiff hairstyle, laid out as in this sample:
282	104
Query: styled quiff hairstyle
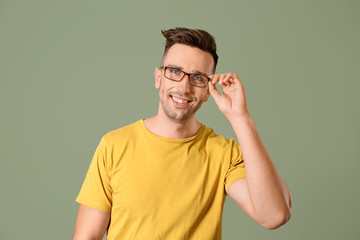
191	37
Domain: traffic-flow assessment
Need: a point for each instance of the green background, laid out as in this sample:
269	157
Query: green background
72	71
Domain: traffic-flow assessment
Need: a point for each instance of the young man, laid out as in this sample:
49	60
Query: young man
167	177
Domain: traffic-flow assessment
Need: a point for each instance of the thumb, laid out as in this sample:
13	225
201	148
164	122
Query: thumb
213	91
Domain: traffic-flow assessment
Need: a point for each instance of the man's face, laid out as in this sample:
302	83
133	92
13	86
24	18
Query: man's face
173	94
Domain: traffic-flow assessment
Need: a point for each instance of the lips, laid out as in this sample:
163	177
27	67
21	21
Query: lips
179	101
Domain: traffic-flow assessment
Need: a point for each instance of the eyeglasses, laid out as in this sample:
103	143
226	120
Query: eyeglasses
176	75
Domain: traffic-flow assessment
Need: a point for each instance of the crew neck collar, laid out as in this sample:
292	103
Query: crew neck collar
170	140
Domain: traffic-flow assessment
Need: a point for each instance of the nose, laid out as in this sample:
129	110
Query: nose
184	84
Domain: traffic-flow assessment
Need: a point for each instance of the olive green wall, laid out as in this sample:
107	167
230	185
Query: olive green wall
72	71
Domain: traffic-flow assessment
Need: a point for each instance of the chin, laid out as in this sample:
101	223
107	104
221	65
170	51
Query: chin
178	117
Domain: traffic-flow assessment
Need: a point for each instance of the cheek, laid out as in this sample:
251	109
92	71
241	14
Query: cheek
162	91
202	95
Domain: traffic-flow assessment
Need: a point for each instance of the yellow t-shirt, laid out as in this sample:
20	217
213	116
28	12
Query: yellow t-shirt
160	188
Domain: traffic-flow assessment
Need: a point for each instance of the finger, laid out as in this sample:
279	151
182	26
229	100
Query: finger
213	90
223	80
228	77
238	81
236	78
222	84
215	78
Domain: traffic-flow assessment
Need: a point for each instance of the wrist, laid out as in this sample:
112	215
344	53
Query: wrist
239	117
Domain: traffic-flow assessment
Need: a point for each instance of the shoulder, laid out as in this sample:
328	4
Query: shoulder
125	132
221	148
214	139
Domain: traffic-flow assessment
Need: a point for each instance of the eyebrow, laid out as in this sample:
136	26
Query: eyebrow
196	72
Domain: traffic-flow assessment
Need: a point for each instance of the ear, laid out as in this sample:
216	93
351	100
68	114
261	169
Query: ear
157	74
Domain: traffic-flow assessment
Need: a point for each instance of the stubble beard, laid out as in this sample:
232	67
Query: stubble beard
179	115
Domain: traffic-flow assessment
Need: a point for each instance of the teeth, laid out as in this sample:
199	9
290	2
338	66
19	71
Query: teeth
178	100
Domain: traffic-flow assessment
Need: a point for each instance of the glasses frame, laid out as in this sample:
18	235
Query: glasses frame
185	73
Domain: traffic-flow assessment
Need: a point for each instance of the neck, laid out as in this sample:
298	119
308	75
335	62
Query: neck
164	126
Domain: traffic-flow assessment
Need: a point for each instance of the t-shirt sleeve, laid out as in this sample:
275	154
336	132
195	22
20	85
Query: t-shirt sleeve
236	169
96	189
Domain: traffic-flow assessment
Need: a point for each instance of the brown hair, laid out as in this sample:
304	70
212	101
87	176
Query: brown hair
191	37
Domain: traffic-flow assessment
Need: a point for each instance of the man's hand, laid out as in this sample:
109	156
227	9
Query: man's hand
233	101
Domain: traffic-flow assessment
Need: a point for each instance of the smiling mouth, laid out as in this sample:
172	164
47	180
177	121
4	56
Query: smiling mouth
180	100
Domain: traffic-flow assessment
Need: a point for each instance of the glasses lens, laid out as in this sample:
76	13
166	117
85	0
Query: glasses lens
198	80
173	73
176	75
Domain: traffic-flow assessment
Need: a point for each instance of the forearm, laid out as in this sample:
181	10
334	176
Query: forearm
268	192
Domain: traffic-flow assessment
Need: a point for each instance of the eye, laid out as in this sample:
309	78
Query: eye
199	78
175	71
